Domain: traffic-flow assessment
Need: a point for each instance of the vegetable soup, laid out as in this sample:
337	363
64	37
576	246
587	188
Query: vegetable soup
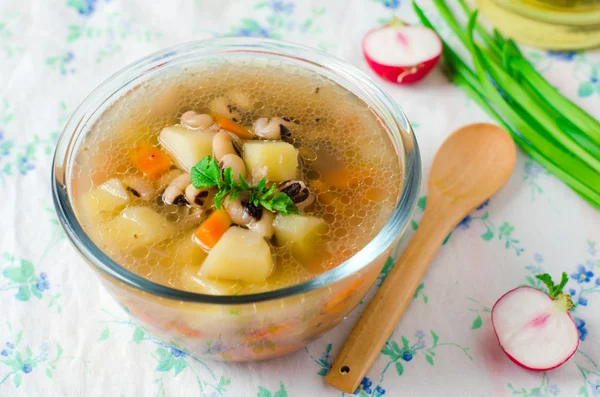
235	180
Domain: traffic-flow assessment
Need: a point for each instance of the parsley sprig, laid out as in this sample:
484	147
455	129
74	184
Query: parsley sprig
207	174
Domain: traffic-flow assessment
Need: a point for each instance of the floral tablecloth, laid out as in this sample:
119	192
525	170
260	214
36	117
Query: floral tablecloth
61	335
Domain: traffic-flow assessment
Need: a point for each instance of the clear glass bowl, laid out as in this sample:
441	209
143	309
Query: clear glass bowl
242	327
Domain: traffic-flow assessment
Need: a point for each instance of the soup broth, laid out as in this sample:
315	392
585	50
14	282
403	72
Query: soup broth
321	142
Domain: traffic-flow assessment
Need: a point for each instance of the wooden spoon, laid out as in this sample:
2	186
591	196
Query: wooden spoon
470	166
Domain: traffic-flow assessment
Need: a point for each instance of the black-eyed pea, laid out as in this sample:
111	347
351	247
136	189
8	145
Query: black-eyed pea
237	165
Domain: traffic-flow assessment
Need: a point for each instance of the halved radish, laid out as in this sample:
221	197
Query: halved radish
534	329
401	53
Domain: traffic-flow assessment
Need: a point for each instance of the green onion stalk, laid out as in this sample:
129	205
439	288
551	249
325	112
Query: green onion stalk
550	128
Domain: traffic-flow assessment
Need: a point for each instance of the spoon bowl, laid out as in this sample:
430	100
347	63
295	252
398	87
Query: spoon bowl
469	167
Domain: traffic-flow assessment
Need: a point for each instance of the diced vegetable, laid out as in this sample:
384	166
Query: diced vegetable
186	251
105	199
276	161
240	255
139	226
185	146
150	160
212	229
302	232
232	126
191	281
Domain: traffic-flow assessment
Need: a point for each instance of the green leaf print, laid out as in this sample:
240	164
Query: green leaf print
477	323
17	380
16	274
281	392
36	292
435	338
422	202
488	235
24	293
429	359
586	89
262	392
74	33
399	368
104	335
138	334
405	343
413	224
179	365
250	24
48	373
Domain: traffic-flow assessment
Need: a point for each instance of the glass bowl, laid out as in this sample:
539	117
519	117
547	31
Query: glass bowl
254	326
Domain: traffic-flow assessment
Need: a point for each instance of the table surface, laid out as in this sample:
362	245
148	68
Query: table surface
61	334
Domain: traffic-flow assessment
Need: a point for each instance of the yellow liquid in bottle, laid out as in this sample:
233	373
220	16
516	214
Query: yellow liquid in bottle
551	24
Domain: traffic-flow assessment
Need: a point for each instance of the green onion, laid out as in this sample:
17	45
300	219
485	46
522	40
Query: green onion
548	127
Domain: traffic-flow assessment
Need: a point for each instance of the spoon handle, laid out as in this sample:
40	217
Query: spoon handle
389	303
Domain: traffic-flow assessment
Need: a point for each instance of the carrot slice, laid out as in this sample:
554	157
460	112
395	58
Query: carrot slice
232	126
213	228
150	160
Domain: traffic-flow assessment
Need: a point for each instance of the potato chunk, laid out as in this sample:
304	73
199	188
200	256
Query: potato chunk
276	161
191	281
302	232
185	251
105	199
240	255
186	147
139	226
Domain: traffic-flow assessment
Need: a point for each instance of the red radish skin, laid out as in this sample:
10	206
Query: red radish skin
400	53
539	322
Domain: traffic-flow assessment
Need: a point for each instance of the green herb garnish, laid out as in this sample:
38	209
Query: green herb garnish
553	290
207	174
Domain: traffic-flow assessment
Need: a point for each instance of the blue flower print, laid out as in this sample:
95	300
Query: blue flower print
582	301
250	28
43	283
595	388
538	258
419	334
406	356
598	281
562	55
10	345
554	390
582	275
465	223
581	328
177	353
380	390
83	7
532	169
27	368
391	4
482	206
24	165
572	292
365	385
279	6
4	353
